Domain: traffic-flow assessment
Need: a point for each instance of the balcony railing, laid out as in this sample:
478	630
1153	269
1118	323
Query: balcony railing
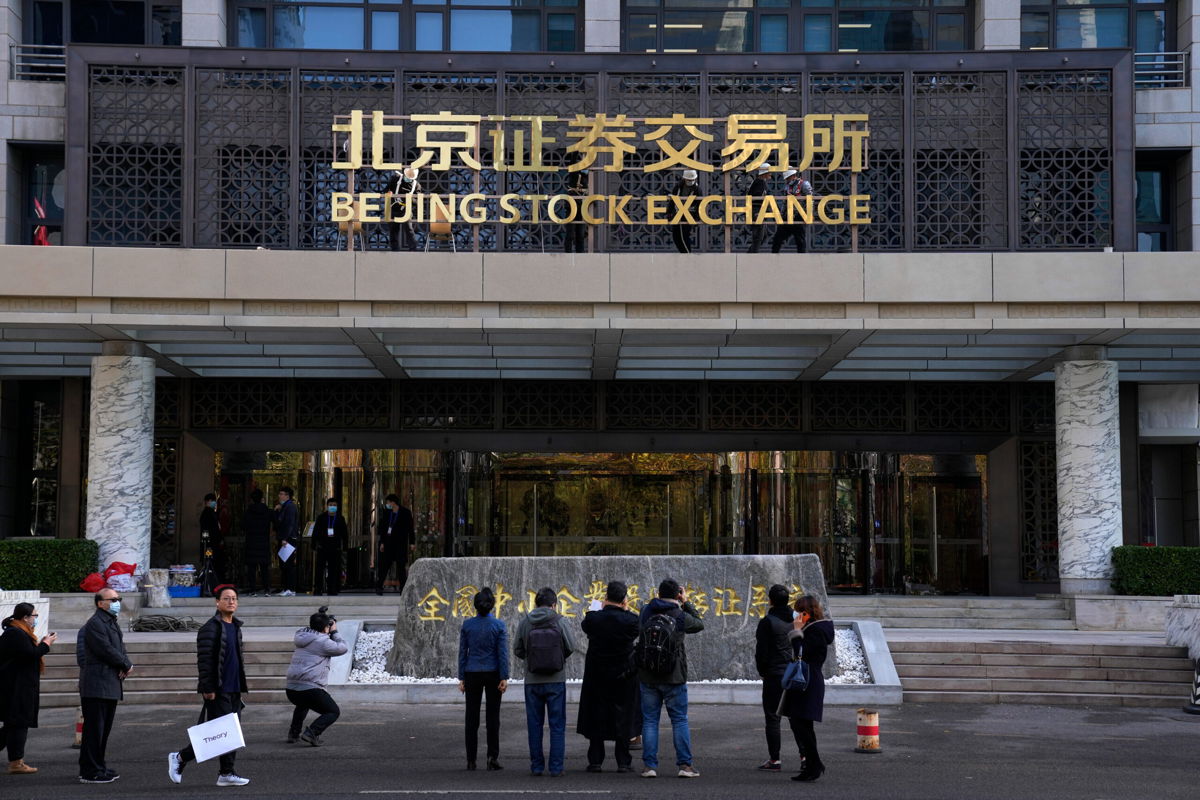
1160	70
37	62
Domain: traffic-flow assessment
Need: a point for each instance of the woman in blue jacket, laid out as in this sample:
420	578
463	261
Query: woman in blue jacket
483	668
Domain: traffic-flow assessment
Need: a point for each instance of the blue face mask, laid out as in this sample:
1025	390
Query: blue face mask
114	607
212	503
333	509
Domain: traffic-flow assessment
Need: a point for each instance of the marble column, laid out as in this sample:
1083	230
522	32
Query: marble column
1088	445
121	454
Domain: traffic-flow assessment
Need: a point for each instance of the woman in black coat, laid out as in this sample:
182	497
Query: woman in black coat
21	668
811	636
609	708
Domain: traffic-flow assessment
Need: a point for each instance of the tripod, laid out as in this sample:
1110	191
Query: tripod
207	578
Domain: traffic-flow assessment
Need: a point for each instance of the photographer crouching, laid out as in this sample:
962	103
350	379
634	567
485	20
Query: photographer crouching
308	674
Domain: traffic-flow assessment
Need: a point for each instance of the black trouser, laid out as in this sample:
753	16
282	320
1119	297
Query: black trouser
575	237
596	752
223	703
13	737
287	569
317	700
682	236
478	684
757	234
97	725
386	559
782	232
329	564
772	691
394	230
806	740
253	570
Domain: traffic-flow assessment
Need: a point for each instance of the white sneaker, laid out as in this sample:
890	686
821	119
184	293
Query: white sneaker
231	780
687	771
287	593
174	767
649	773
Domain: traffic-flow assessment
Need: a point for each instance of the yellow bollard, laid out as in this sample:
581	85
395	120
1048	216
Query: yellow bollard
78	731
868	731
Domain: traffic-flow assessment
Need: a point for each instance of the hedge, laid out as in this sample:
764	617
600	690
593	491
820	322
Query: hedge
49	565
1156	570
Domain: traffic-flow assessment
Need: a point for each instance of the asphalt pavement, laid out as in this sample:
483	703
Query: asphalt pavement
952	751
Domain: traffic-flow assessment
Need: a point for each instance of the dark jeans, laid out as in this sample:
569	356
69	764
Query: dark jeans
575	236
386	560
596	752
223	703
307	700
541	698
253	570
772	691
806	741
681	235
782	232
287	569
13	737
394	231
757	235
97	725
479	684
329	564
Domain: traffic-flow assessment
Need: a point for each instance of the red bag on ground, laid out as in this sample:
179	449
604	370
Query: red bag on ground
119	568
93	583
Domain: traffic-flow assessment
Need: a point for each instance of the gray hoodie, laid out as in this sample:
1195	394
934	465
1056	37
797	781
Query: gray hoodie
540	614
310	663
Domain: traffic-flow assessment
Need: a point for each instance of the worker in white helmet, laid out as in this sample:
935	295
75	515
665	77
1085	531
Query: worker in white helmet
681	233
793	184
401	186
758	188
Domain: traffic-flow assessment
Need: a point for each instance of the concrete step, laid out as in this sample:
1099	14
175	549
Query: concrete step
1036	698
1177	677
941	601
178	698
174	684
1038	648
183	657
154	669
969	623
946	612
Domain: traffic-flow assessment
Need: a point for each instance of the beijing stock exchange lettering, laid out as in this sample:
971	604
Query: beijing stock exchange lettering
601	143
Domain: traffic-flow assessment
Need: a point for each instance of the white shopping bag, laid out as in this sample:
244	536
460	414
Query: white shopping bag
216	737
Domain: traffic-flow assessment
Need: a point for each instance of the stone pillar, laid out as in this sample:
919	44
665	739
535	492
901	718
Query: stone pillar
204	23
1088	447
998	25
121	454
602	26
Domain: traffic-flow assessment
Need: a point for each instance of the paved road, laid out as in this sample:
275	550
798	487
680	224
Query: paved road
931	751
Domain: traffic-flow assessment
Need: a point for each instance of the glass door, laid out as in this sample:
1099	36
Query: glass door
944	545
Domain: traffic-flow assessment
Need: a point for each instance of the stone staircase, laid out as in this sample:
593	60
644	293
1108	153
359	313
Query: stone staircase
1059	673
963	613
164	671
289	612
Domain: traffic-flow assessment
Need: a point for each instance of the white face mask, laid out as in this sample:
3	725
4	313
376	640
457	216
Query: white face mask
114	607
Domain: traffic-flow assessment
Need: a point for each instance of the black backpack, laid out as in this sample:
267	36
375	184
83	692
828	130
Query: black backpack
544	650
657	650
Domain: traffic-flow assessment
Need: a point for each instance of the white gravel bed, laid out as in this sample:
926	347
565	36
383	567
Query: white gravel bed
852	663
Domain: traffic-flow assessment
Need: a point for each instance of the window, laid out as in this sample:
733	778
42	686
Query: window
56	22
43	189
1154	199
1144	26
780	26
433	25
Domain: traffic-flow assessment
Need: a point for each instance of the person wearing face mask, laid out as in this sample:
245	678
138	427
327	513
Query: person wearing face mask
286	519
210	527
221	668
103	666
22	662
810	636
772	654
331	536
397	539
681	234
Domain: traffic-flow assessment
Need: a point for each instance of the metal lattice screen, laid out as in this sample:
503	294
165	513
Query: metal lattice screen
211	154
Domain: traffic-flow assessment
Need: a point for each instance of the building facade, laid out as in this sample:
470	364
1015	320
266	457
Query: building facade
982	389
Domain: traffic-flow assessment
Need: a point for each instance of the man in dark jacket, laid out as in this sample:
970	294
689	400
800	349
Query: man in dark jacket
670	688
545	690
397	538
103	665
758	188
681	233
213	539
331	537
287	531
256	552
221	665
607	698
772	653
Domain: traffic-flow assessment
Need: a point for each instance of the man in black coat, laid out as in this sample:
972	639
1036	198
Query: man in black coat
609	708
212	537
256	551
681	233
221	667
397	538
287	531
331	537
758	188
772	653
103	665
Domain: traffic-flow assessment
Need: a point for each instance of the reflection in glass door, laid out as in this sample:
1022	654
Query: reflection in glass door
945	543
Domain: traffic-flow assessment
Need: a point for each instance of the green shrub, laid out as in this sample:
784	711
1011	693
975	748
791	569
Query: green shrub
1156	570
48	565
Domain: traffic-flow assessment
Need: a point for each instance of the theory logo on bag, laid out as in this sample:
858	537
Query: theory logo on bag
215	738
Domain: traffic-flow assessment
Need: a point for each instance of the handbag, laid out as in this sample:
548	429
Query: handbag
216	737
795	676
